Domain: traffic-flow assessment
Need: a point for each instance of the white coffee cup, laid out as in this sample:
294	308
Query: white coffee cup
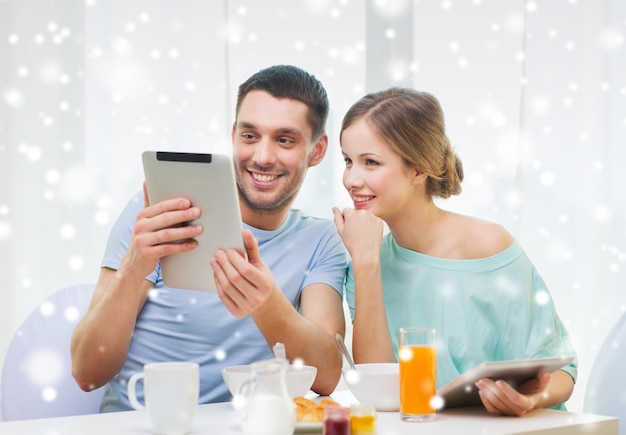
171	395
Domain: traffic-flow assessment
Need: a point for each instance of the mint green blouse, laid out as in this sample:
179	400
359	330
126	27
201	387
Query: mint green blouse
489	309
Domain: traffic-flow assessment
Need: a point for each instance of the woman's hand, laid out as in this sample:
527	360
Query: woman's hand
500	398
361	232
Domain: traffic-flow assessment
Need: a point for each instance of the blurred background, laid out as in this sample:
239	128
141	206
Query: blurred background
534	95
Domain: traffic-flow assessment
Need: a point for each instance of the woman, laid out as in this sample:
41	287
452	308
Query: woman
468	278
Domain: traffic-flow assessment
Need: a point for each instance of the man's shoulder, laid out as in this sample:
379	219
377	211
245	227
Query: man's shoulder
135	203
302	220
311	229
129	212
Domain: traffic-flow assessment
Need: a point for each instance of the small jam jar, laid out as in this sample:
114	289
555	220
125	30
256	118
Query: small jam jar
363	419
336	421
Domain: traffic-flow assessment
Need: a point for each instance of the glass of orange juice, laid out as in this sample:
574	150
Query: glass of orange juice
418	373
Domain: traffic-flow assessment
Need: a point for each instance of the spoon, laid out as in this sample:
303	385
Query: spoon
344	351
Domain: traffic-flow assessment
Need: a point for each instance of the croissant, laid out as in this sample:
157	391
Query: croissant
308	411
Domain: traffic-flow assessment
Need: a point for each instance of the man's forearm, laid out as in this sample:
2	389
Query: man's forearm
101	340
304	339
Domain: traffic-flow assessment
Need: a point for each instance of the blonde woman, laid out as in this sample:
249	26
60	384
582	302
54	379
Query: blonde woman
468	278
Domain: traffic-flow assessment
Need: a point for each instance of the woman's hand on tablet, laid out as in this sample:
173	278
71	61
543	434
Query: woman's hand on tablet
500	398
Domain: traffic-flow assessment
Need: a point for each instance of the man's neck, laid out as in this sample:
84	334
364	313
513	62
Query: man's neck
267	220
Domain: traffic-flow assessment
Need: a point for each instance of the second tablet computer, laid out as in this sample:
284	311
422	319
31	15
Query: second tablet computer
462	391
208	180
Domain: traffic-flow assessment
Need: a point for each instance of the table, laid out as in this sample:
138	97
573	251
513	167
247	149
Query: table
221	419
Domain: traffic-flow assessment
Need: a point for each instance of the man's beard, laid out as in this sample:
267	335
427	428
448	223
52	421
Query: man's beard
268	207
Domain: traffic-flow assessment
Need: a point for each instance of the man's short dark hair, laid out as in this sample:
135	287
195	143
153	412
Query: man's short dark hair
287	81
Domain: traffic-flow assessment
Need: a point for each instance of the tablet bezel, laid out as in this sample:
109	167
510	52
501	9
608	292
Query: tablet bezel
462	391
208	180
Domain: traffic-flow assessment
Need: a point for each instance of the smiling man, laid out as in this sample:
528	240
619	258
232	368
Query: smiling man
288	290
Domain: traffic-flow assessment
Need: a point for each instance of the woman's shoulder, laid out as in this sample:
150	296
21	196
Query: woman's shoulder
479	238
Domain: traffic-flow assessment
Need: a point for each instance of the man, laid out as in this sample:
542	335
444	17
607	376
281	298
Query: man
289	289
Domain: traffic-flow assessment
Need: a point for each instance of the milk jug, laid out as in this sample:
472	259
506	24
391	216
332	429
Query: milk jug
268	409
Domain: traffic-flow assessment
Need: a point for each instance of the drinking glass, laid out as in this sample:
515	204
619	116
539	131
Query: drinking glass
418	386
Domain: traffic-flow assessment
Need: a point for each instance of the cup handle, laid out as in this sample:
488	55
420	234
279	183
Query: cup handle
132	392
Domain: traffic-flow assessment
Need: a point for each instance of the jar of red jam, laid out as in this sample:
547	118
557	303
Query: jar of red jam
336	421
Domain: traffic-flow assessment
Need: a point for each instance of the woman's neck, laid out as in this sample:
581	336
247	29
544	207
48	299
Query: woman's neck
419	227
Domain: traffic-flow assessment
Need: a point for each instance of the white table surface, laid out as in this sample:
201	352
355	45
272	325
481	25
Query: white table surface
221	419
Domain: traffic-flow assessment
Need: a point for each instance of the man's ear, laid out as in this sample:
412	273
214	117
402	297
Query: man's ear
232	133
319	150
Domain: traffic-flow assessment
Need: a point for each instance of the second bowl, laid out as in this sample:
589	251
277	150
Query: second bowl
375	383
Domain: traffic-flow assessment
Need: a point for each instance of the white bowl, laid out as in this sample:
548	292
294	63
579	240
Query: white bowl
299	378
375	383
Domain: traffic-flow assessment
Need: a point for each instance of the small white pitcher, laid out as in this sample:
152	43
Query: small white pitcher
267	407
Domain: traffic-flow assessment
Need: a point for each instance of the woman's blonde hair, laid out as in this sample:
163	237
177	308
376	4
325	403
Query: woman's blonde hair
412	124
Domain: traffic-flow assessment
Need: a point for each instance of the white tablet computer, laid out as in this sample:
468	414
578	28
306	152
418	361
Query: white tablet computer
208	180
462	391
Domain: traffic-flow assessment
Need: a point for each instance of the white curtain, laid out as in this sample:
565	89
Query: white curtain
534	95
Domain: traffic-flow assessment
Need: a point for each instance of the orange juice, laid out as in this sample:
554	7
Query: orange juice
417	379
